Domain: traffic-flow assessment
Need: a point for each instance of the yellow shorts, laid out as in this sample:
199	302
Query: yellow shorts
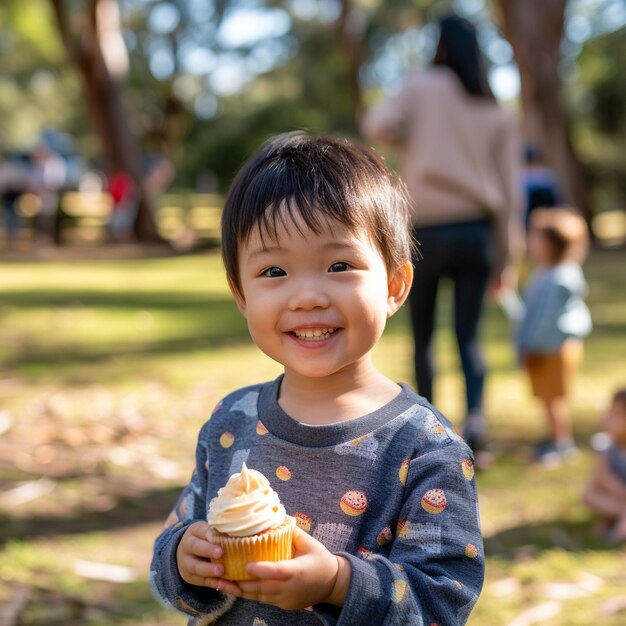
551	374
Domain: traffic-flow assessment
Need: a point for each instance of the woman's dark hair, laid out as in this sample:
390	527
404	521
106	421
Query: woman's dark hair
296	178
458	49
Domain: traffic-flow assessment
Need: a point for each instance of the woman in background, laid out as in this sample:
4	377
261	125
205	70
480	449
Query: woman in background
460	159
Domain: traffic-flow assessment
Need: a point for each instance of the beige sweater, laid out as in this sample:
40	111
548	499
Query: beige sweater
460	155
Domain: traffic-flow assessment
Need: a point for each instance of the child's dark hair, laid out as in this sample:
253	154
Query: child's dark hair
619	397
318	179
565	230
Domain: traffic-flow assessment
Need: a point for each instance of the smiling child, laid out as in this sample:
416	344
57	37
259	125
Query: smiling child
317	248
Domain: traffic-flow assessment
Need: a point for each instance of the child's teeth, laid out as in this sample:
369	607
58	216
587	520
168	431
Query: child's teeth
313	333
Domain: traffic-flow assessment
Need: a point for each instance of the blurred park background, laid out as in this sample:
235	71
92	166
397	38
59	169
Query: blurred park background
122	123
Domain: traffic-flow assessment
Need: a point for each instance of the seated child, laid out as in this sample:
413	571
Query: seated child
606	493
317	249
554	320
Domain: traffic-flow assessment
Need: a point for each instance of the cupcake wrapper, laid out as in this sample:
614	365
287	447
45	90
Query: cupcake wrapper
272	545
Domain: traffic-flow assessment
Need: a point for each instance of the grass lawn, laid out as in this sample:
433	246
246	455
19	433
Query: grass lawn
109	367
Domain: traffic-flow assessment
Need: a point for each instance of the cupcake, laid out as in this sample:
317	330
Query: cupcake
248	521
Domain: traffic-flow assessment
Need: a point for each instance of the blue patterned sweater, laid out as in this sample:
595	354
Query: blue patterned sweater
414	544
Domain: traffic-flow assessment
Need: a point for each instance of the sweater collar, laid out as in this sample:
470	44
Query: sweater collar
285	427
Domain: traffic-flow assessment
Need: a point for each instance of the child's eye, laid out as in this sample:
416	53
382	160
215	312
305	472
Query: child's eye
340	266
273	272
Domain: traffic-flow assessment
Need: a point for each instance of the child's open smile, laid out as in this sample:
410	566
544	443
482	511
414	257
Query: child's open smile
313	335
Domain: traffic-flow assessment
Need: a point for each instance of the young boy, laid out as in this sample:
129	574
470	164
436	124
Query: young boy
317	251
606	493
555	320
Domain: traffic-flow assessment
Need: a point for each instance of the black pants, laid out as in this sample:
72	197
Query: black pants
463	253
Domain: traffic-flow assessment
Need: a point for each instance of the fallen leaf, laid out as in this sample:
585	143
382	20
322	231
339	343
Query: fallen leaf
27	492
537	614
105	571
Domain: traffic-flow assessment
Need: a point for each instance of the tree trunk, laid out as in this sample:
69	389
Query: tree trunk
534	29
103	95
350	35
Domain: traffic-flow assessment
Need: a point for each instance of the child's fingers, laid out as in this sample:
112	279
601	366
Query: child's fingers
303	542
203	549
194	541
228	586
203	573
269	570
219	584
201	568
199	548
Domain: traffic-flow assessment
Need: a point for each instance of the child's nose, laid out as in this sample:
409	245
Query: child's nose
308	294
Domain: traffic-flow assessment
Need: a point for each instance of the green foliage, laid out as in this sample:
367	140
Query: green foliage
306	93
32	25
38	89
599	115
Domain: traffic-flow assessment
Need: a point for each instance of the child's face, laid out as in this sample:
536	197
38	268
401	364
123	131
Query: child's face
317	303
539	248
615	423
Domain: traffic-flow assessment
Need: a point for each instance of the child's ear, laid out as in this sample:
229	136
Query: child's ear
398	287
237	294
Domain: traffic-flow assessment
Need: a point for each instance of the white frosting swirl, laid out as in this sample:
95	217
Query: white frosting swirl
246	505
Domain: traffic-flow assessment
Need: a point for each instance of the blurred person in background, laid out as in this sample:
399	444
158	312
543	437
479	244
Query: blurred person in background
540	184
605	494
48	175
125	196
460	159
554	321
13	182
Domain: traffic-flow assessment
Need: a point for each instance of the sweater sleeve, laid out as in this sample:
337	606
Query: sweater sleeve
166	583
435	569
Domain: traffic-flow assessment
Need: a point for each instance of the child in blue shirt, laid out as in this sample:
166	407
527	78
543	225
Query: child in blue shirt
555	320
317	248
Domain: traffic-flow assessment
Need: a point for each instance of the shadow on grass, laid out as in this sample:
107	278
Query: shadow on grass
122	299
150	506
198	322
76	354
534	538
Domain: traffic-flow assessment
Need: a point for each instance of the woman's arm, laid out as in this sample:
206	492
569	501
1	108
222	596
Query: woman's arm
510	239
387	122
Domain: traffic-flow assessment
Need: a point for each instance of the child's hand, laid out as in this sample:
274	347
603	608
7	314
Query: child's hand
312	576
193	557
